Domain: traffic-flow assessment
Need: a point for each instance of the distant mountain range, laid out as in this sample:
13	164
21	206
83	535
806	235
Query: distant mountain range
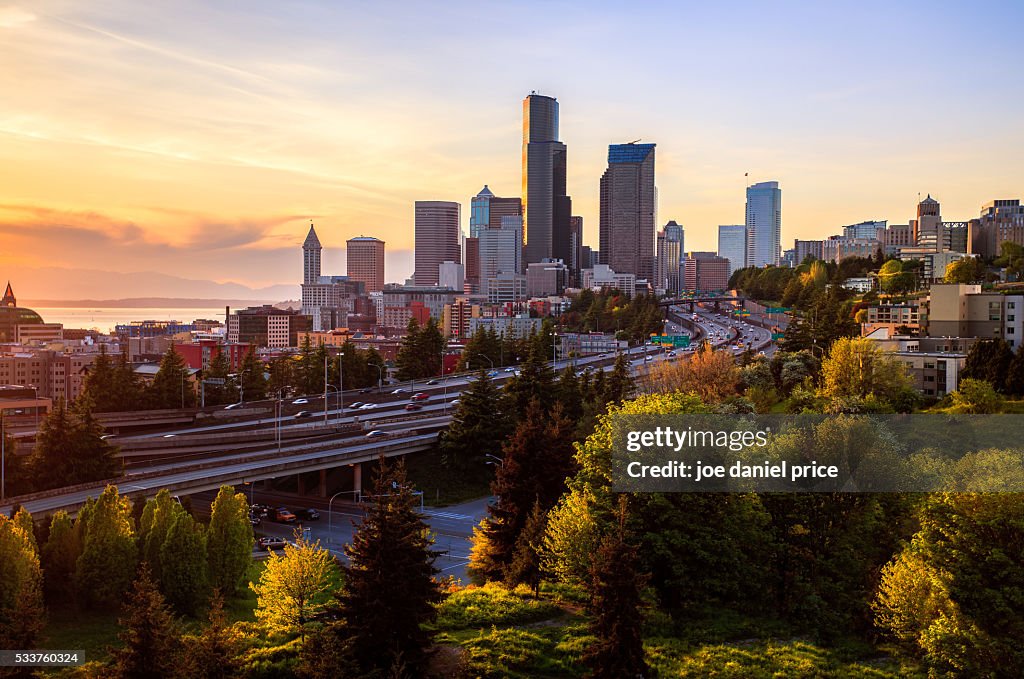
52	286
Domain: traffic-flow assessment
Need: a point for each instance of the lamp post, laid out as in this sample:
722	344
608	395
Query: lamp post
380	375
3	457
330	510
341	385
494	460
35	397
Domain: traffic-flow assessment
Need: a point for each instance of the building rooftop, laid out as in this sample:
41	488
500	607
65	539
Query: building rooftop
311	239
629	153
365	239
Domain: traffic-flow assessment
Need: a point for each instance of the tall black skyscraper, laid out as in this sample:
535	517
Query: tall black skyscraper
547	209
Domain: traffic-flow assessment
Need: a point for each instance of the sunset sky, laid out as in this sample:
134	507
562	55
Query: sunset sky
196	140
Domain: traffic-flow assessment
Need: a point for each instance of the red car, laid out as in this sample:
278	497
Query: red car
420	396
414	406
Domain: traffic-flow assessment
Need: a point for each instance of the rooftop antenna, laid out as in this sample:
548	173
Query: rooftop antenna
633	142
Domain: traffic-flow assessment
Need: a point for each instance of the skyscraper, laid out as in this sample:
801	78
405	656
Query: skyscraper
628	196
500	249
764	224
311	250
732	245
437	238
546	207
487	209
365	255
669	260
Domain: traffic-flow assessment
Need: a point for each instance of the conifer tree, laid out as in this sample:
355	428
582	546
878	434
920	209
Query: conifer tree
183	565
70	449
107	563
213	653
150	634
389	592
1015	373
537	459
219	394
59	555
157	516
100	383
172	387
620	385
568	393
228	540
251	380
479	425
525	567
408	360
128	392
615	604
534	382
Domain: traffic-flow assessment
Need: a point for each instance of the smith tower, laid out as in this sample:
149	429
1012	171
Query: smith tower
311	250
547	210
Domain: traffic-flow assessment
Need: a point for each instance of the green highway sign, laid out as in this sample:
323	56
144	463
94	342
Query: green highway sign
671	340
777	309
778	335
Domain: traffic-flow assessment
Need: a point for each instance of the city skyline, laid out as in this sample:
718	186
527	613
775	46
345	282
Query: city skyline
157	140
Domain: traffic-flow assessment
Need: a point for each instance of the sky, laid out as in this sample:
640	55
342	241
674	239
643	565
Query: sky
197	140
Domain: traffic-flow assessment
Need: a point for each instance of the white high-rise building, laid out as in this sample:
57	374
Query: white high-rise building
764	224
501	249
670	249
732	245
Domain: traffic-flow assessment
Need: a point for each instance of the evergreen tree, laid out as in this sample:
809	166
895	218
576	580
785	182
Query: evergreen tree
989	360
172	386
389	592
219	394
568	392
22	613
620	384
308	370
183	565
408	361
70	449
252	383
150	634
107	563
525	566
1015	374
228	540
537	459
59	555
615	588
100	383
535	382
282	376
478	426
214	653
128	391
23	520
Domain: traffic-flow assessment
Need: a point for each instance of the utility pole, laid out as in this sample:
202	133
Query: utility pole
3	457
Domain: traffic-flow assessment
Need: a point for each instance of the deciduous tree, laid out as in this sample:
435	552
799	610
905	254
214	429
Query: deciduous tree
108	560
228	540
294	587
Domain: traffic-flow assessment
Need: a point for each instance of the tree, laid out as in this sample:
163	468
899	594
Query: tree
408	361
710	374
219	394
525	566
1015	373
183	565
294	587
966	270
989	360
954	594
479	424
70	449
214	652
107	563
389	591
534	382
620	385
857	368
151	647
252	382
536	461
976	397
157	516
894	277
99	383
617	619
59	555
228	540
172	386
22	613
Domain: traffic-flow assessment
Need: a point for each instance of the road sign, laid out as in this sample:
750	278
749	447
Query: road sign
778	335
214	380
777	309
671	340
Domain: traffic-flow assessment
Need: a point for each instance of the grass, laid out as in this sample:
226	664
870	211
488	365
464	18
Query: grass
492	604
93	633
444	484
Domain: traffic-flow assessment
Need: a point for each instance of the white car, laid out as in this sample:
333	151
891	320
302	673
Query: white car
399	391
300	402
368	406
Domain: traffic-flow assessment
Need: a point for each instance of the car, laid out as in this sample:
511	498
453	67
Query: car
255	519
414	406
270	542
282	515
257	508
432	382
420	396
169	436
396	392
492	373
309	514
510	370
233	406
368	406
455	402
303	414
300	402
107	436
671	354
367	390
357	405
375	434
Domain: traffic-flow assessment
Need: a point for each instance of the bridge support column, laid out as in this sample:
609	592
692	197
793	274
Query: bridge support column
302	483
357	479
322	487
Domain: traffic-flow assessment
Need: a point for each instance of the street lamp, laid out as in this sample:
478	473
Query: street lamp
330	510
3	457
494	460
380	375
